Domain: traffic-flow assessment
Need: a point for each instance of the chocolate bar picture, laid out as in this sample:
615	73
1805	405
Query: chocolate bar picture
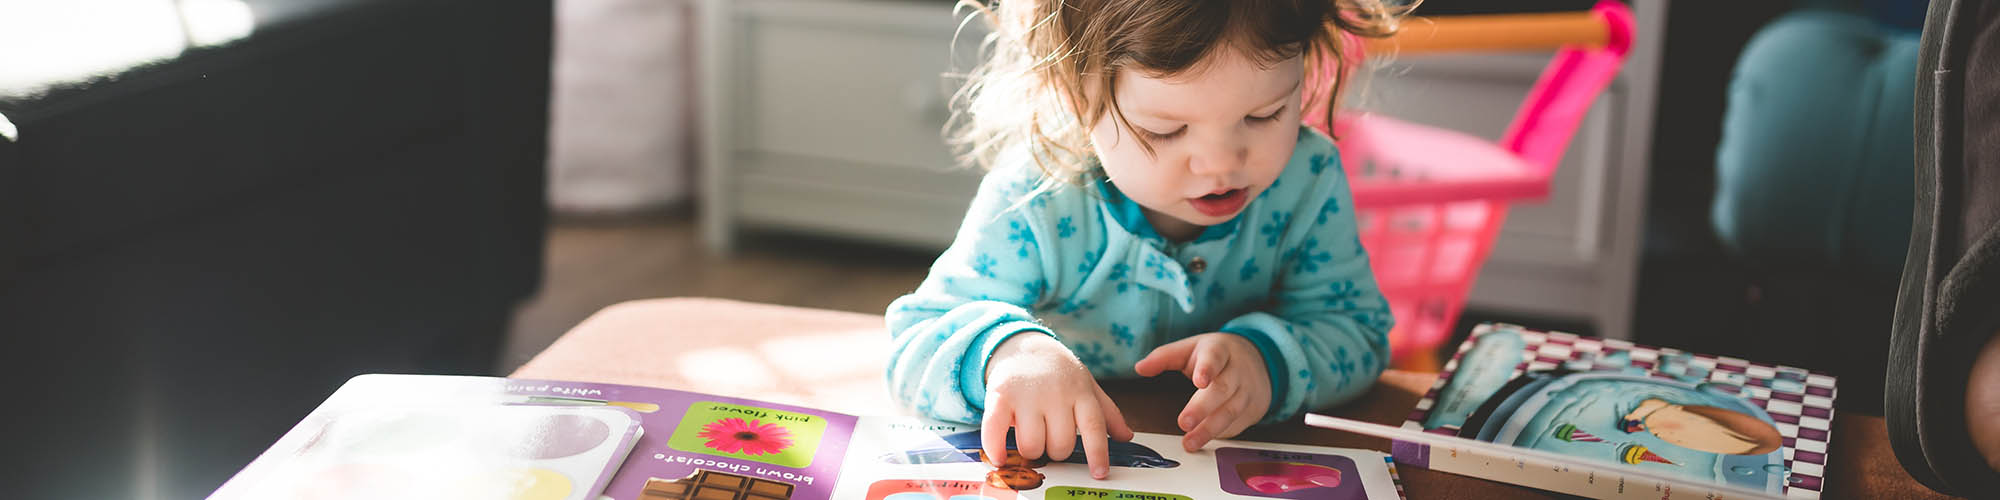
712	485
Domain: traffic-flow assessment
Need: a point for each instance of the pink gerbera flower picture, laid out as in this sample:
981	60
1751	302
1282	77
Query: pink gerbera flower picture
731	435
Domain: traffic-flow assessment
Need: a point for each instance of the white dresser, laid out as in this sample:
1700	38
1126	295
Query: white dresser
826	117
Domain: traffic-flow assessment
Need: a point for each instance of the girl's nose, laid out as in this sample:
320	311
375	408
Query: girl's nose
1220	157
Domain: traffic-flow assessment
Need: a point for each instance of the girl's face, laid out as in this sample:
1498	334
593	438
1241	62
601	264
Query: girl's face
1221	134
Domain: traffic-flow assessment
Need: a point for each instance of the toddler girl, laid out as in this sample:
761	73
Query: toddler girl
1153	204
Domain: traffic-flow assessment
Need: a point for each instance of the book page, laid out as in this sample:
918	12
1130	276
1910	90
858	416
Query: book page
901	458
685	445
698	445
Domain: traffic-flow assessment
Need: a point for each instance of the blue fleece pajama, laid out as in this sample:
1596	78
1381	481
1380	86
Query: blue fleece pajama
1082	264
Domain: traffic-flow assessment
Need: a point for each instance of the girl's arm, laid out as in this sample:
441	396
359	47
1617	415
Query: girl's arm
978	294
1325	338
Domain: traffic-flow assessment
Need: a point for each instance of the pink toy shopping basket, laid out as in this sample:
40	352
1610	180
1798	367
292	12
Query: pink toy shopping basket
1430	201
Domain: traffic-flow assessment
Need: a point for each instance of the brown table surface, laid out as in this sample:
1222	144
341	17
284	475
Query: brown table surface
834	361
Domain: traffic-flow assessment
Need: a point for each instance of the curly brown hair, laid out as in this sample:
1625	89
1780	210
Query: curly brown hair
1047	62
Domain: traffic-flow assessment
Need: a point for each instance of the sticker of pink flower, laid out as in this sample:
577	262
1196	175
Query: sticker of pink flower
754	437
755	434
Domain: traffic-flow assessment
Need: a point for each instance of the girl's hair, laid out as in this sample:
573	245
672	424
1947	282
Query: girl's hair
1051	65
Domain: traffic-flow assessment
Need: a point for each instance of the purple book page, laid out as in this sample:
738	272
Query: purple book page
691	435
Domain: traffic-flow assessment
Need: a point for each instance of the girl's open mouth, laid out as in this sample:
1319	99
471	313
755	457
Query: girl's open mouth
1220	204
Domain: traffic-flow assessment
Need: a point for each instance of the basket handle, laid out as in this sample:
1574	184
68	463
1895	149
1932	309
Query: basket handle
1555	107
1590	47
1495	33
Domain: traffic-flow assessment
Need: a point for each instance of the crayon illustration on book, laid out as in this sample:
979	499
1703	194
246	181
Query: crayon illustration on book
1279	474
1705	419
965	447
1016	472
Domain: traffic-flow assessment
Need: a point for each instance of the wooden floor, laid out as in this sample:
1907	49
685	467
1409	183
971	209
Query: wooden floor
593	263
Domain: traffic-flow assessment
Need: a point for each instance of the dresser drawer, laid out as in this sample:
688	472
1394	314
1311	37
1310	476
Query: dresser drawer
860	82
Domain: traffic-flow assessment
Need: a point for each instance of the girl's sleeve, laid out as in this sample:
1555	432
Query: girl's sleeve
1325	338
978	294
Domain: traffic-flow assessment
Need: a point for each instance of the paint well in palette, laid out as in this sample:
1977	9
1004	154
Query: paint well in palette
374	481
555	436
513	453
533	437
355	480
390	435
530	484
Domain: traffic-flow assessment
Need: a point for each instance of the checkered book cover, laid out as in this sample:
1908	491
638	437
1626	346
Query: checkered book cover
1800	401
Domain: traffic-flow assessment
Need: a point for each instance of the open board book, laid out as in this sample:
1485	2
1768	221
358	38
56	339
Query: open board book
1611	419
424	436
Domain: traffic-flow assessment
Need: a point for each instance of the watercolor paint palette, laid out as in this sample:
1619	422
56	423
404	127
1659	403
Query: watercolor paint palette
514	452
418	436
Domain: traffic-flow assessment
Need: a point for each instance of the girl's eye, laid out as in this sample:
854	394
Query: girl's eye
1266	118
1156	136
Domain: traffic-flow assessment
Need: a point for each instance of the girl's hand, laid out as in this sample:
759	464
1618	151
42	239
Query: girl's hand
1232	390
1035	385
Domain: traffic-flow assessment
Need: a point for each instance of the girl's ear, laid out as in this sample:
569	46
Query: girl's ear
1095	92
1323	83
1098	108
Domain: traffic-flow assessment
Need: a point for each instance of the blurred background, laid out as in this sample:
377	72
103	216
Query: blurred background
213	212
